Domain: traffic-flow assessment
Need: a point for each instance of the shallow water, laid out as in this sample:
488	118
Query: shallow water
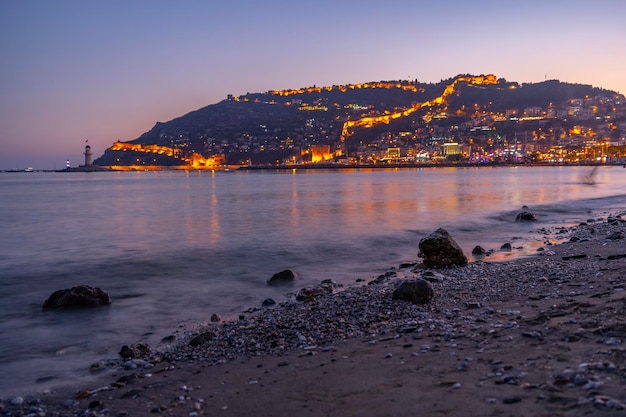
174	247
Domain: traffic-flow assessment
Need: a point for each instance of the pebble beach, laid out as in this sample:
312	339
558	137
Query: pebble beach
541	335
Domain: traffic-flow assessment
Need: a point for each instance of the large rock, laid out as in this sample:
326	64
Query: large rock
282	278
525	216
415	291
439	250
75	297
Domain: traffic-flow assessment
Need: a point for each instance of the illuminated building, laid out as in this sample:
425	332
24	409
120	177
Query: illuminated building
393	153
320	153
451	148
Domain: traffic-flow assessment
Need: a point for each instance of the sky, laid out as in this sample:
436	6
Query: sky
103	71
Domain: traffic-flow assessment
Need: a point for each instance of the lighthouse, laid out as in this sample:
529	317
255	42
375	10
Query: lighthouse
88	154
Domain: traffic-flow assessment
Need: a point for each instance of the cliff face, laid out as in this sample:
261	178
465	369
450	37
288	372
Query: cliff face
271	126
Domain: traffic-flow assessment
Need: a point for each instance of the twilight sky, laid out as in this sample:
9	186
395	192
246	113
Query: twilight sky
109	70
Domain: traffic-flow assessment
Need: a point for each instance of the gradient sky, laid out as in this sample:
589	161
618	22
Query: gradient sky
109	70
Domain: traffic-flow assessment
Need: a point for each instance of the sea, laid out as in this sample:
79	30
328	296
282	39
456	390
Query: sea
171	248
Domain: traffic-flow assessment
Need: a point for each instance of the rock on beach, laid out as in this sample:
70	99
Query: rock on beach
439	250
417	291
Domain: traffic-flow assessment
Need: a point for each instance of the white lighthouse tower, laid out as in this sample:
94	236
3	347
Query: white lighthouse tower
88	154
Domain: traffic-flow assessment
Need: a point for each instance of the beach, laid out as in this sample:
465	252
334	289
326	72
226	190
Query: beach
541	335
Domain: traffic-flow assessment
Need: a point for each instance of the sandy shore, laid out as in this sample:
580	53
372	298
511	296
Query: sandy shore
538	336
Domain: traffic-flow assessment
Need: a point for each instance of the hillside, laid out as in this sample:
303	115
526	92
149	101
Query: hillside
271	127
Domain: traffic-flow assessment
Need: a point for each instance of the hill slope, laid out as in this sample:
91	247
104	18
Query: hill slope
275	125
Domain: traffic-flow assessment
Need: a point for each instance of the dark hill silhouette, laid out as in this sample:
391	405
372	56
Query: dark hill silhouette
267	127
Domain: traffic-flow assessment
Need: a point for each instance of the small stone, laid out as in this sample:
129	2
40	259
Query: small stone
70	403
18	401
533	334
83	394
215	317
95	404
268	302
614	341
615	236
134	351
512	400
202	338
478	250
575	256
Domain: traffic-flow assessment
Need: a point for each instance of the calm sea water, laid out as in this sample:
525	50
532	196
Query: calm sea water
171	248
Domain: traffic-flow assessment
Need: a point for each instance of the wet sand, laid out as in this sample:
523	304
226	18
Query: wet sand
537	336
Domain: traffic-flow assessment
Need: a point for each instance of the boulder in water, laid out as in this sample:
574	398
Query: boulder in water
282	278
75	297
478	250
525	216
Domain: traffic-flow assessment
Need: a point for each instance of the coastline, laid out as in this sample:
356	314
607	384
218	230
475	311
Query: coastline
538	335
318	166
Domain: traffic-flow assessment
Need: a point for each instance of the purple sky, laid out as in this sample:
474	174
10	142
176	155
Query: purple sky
109	70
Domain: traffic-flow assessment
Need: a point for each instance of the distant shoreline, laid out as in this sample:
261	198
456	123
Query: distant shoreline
330	166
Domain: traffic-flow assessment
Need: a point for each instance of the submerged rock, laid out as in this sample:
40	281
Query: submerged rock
525	216
80	296
415	291
439	250
282	278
